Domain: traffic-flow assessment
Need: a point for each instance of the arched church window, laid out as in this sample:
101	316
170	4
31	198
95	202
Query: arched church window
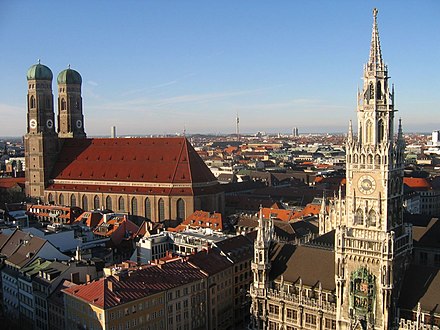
96	204
85	203
121	204
369	131
380	131
32	102
63	104
370	159
377	160
147	209
371	91
50	198
108	203
180	209
72	200
61	199
134	206
379	90
359	217
371	221
161	210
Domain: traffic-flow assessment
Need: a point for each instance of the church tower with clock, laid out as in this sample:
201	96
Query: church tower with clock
41	140
372	245
70	112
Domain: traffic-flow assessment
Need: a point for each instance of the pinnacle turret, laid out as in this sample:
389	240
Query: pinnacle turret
375	63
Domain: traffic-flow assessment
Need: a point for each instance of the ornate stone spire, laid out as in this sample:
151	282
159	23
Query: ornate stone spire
400	139
350	132
375	63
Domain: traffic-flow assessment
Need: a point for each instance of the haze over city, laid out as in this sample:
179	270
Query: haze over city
159	67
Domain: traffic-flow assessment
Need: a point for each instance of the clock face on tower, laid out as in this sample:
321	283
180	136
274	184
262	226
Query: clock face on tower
366	184
79	123
49	123
33	123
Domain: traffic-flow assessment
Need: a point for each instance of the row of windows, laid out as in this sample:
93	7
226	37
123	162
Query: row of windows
121	205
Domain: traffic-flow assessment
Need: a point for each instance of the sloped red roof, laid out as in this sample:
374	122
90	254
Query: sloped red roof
155	160
147	280
310	209
280	214
6	183
203	219
417	183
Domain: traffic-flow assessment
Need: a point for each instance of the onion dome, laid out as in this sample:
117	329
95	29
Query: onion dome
39	72
69	76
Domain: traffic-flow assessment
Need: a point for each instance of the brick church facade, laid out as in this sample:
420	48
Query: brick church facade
158	178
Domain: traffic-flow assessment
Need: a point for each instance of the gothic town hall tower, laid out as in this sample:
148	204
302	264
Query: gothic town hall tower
371	242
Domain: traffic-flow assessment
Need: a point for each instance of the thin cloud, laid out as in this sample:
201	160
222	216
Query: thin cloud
92	83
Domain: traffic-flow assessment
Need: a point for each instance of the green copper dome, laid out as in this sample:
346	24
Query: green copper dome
39	72
69	76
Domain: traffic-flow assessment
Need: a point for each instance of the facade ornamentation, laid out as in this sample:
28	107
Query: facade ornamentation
372	245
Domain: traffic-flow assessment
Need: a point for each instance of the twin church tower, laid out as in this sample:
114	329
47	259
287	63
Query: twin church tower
43	141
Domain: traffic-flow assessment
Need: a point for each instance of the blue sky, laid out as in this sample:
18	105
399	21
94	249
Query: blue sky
153	67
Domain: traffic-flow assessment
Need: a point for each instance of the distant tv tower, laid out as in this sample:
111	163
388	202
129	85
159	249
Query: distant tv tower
237	130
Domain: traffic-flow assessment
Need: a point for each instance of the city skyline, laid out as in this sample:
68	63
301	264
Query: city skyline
165	67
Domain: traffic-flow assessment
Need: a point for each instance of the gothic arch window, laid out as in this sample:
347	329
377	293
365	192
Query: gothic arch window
371	220
72	200
362	159
180	209
50	198
380	130
63	104
370	159
61	199
161	204
369	131
85	203
360	138
134	206
108	203
359	217
377	160
391	187
32	102
96	203
397	186
379	90
121	204
147	209
355	158
371	91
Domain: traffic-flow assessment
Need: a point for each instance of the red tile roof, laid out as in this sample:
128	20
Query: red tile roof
154	160
117	227
150	279
279	214
310	209
6	183
417	183
203	219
